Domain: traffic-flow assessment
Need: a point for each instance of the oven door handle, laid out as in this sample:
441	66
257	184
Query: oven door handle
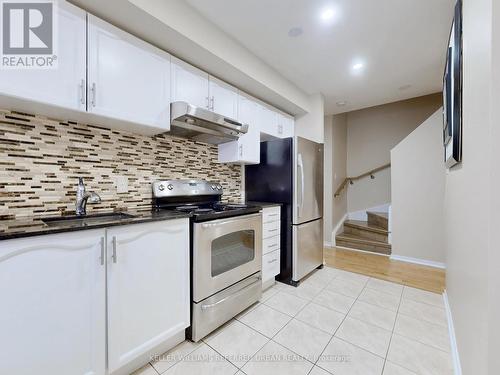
239	292
231	221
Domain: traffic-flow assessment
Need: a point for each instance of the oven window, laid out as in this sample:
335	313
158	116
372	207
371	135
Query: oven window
232	250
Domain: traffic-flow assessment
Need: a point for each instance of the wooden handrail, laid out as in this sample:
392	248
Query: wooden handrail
369	173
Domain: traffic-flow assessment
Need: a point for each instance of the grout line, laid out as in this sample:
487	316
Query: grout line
393	328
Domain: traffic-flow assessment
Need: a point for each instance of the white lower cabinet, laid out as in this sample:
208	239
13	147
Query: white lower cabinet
148	289
53	290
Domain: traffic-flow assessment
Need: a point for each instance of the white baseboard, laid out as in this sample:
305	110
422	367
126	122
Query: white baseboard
453	340
423	262
361	251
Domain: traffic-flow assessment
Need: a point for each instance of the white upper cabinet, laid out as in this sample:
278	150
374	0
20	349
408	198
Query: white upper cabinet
128	79
223	98
148	289
246	149
189	84
53	291
61	87
285	126
268	121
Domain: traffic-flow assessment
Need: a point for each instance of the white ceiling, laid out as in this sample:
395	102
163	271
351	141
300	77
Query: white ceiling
400	42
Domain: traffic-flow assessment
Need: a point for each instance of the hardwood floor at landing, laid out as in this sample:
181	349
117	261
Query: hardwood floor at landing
382	267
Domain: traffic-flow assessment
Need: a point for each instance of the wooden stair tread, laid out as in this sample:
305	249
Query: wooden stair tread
353	238
364	225
384	215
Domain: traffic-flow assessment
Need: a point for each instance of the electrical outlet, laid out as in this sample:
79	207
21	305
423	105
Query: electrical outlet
121	184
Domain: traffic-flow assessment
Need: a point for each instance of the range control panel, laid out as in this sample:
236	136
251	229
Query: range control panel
180	188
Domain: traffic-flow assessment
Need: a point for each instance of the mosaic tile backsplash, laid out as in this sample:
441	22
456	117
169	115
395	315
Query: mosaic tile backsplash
41	160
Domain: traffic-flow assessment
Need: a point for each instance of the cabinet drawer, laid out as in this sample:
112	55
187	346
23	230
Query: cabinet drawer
270	244
270	265
271	229
271	214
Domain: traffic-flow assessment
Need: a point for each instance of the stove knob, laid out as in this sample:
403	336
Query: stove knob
161	187
219	187
214	187
170	186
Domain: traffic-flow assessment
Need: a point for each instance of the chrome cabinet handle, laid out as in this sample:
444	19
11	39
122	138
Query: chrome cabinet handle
272	261
93	91
273	245
208	102
113	255
101	258
213	102
205	307
241	150
82	91
272	215
272	230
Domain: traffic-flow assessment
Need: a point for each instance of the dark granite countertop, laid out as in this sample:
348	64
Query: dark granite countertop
28	227
264	204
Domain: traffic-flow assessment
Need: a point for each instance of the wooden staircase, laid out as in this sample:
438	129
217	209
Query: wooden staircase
371	235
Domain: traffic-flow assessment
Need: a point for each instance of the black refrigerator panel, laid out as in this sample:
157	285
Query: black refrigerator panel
272	181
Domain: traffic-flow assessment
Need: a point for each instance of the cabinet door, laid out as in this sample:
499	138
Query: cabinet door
189	84
223	98
64	86
148	288
268	121
128	79
246	149
52	319
285	126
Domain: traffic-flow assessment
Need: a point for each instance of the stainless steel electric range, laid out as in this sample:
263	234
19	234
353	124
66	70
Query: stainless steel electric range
226	251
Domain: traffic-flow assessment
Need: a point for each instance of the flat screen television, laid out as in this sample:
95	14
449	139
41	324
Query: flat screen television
452	93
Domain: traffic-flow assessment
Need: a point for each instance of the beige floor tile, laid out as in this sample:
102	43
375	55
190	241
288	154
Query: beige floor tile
238	343
372	314
323	276
266	320
424	332
423	311
268	293
321	317
306	290
347	288
419	358
393	369
163	362
351	276
247	310
318	371
203	360
146	370
274	359
380	299
367	336
423	296
385	286
286	303
334	301
342	358
303	339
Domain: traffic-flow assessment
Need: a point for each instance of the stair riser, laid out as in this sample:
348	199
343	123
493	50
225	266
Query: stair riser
365	247
378	221
363	233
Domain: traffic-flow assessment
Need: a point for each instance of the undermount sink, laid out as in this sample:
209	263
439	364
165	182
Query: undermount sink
86	220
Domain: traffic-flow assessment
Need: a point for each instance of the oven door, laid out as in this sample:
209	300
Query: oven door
225	251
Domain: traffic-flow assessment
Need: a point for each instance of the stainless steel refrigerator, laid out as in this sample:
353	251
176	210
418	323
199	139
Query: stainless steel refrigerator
291	173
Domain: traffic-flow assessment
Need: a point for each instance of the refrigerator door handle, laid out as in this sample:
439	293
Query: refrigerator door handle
300	164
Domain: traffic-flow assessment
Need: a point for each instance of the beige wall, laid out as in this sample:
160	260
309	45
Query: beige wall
418	179
471	206
371	134
312	124
339	133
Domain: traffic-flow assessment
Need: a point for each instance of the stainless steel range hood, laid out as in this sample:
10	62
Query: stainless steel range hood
202	125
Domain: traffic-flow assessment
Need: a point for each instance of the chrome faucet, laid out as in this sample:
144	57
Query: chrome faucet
82	196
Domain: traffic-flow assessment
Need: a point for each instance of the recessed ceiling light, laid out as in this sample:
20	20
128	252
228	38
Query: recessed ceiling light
327	14
358	66
295	32
341	103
